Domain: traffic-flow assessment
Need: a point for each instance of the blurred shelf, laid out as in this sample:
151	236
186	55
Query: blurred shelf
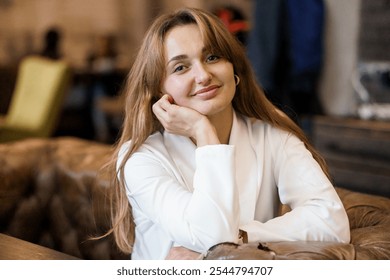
357	152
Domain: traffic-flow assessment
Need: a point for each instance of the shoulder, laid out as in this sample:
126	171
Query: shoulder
152	147
153	142
267	139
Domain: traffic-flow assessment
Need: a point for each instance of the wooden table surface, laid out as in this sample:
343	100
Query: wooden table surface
12	248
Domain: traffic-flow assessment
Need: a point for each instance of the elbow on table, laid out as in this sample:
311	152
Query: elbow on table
344	233
341	230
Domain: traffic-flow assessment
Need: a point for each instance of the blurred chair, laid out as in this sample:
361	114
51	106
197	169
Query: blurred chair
37	99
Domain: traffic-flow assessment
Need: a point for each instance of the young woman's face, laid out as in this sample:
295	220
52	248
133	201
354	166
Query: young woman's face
196	78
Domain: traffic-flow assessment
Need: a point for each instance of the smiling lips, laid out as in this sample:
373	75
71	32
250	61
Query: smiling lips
208	92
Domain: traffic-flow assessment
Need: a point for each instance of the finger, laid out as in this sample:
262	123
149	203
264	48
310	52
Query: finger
166	101
158	110
168	97
158	104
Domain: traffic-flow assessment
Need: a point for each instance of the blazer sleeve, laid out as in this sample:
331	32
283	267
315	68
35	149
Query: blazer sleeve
196	220
317	212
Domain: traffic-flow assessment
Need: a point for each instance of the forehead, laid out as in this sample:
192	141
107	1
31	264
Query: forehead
182	39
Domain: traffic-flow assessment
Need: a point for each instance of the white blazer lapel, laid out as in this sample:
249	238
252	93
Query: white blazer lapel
246	168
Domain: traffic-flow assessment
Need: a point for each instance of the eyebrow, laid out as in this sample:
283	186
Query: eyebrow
178	57
183	56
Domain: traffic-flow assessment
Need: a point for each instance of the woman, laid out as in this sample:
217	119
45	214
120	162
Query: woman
204	156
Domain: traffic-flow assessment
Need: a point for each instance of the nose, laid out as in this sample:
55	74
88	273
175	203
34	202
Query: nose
202	75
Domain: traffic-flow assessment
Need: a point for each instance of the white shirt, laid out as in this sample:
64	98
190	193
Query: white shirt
193	197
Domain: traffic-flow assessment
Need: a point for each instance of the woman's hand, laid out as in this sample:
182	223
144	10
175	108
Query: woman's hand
181	253
185	121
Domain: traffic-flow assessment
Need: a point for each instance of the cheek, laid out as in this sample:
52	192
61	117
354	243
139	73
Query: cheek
177	88
226	73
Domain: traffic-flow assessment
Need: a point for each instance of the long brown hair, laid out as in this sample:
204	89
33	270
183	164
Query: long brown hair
143	89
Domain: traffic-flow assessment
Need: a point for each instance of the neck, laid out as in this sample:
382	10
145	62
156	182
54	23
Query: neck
223	122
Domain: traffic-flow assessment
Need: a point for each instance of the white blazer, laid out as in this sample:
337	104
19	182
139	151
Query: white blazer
182	195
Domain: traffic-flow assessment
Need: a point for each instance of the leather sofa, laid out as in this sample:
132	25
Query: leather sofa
53	192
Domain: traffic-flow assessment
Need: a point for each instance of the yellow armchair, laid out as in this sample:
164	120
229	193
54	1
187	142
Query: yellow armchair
37	99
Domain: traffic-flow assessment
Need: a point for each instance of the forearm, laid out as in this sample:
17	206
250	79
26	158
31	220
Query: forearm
214	206
319	222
